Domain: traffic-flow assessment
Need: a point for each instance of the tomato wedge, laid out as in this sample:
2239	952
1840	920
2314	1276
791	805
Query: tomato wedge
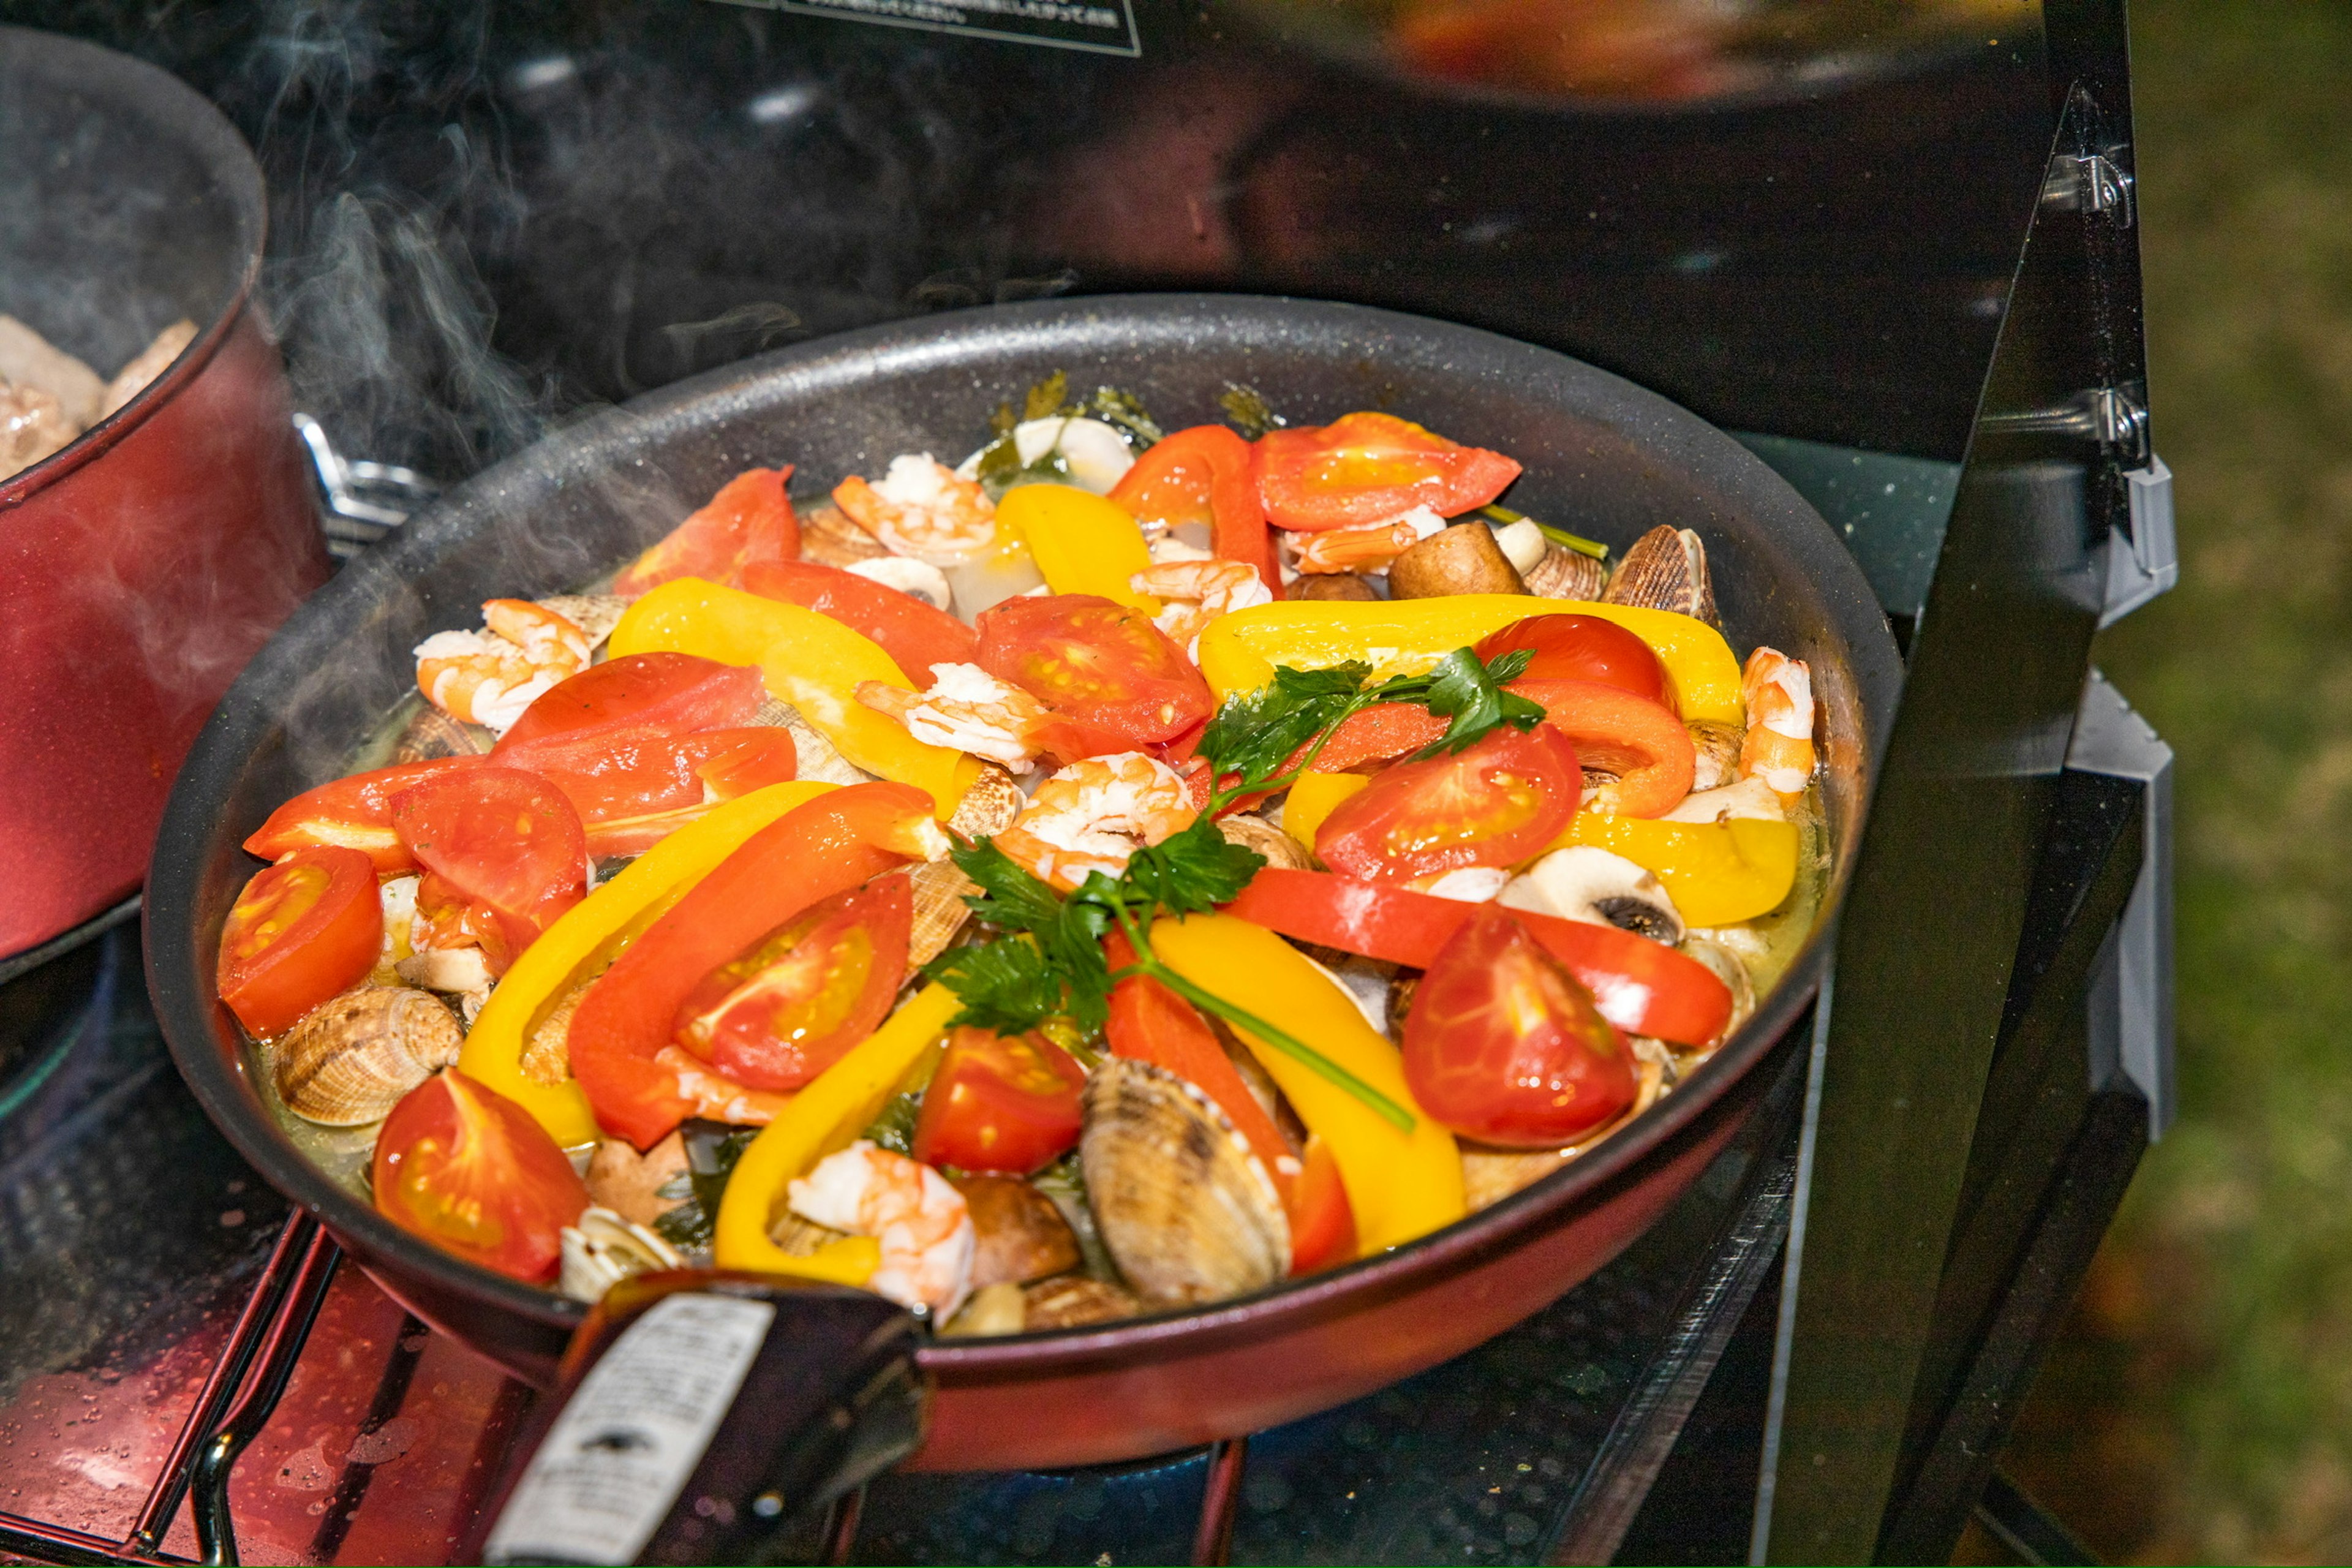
1583	647
749	520
1503	1046
1113	679
840	840
470	1172
303	930
1643	987
1367	469
723	765
1204	476
790	1004
501	839
1005	1103
355	812
914	635
666	694
1495	804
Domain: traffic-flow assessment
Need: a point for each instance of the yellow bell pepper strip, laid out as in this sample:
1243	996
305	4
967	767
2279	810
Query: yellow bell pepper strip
812	661
837	1105
1315	797
1401	1184
1083	543
587	937
1406	636
1717	872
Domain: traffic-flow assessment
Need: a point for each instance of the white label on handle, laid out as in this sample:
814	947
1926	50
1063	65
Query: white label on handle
612	1464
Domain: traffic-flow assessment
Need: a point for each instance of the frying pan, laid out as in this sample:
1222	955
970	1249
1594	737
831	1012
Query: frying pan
1602	458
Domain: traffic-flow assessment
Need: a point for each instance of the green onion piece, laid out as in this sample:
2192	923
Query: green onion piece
1558	536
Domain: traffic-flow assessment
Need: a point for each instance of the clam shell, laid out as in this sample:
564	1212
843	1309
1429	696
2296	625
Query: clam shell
1731	969
595	613
547	1055
1074	1300
1718	745
990	805
1566	574
432	734
1189	1213
600	1249
827	536
940	890
815	757
1490	1174
1278	847
351	1058
1665	570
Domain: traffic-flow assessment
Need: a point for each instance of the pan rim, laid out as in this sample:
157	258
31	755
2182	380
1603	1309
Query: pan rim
241	727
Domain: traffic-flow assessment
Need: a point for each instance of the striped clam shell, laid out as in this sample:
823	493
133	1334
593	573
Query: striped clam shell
350	1059
1665	570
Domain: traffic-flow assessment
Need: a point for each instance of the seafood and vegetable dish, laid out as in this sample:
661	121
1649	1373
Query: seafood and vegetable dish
1122	871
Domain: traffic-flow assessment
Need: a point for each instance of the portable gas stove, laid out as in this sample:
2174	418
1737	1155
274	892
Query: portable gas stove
1895	261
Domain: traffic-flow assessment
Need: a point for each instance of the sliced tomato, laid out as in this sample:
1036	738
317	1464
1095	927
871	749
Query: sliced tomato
911	632
840	840
1495	804
1643	987
1583	647
661	693
1367	469
1503	1046
722	764
500	838
749	520
1204	476
1113	679
790	1004
472	1173
1006	1104
1322	1222
303	930
355	812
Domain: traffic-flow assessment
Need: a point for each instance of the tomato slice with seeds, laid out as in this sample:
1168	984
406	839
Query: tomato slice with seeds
306	929
1503	1046
472	1173
501	839
610	737
1583	647
1367	469
1495	804
911	632
1115	681
1005	1103
355	812
790	1004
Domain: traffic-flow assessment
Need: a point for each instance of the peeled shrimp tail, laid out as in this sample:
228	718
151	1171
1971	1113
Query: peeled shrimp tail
1779	746
1093	814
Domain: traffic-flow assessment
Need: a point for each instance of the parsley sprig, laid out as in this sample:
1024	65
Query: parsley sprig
1049	960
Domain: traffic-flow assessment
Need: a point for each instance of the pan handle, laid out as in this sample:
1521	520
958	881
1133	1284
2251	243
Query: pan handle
701	1416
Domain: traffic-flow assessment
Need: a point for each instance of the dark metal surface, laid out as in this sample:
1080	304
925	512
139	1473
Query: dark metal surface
1603	458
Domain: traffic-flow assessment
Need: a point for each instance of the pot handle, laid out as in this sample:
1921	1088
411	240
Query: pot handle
699	1415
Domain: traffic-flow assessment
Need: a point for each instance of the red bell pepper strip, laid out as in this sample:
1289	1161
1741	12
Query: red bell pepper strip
840	840
1204	474
353	812
914	635
749	520
1643	987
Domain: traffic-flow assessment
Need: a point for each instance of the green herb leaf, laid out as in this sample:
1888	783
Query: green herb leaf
1124	412
1253	734
712	1148
1009	896
1470	694
1561	536
1188	872
1048	397
895	1129
1248	410
1008	986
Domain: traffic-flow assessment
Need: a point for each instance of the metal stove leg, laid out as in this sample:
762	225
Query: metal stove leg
1213	1544
217	1457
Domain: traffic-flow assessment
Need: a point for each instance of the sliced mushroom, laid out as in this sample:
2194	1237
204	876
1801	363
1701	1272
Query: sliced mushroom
1750	798
1018	1235
1584	882
993	1309
1460	559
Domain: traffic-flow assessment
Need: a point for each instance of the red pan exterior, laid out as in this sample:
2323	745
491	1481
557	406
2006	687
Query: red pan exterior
139	570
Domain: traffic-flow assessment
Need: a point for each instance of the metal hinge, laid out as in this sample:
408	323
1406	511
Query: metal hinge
365	500
2113	416
2089	182
2145	562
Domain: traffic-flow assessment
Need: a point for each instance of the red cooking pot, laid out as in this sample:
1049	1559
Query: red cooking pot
142	566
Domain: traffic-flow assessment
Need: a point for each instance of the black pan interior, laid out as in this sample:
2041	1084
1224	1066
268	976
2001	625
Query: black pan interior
1602	458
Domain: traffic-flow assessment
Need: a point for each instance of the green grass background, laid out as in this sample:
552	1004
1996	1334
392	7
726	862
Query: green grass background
2201	1405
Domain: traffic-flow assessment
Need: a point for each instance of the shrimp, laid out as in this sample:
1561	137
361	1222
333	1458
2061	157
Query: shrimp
490	677
920	508
1093	815
1778	748
923	1224
1194	593
1365	548
715	1098
969	709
